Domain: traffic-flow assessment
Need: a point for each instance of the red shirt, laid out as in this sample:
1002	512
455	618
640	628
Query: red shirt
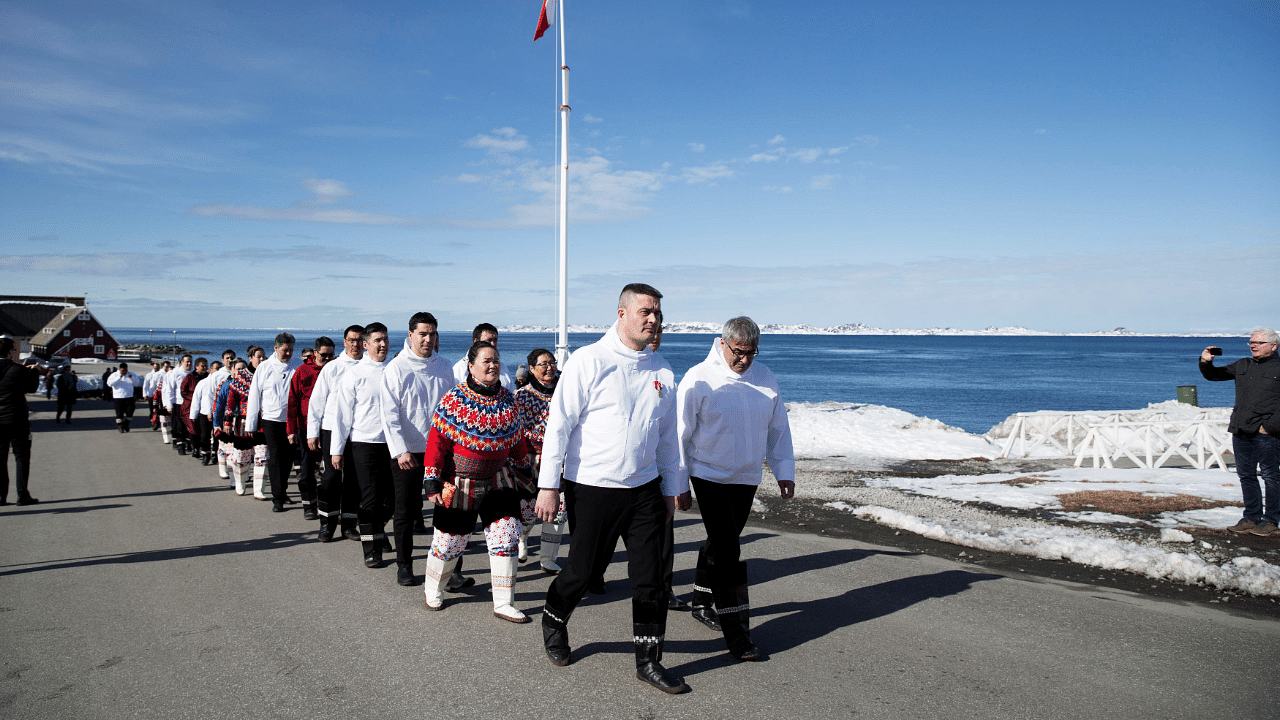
300	387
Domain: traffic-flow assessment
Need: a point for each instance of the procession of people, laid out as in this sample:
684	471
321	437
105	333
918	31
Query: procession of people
598	450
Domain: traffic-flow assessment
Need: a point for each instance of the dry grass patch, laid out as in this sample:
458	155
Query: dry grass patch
1133	504
1026	480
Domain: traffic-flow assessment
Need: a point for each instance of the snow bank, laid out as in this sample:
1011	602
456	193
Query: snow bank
1247	574
835	429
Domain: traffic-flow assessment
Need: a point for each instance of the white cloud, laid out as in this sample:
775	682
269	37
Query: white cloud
469	178
868	140
777	140
325	192
705	174
697	147
807	155
763	157
499	141
591	118
784	189
822	182
1041	131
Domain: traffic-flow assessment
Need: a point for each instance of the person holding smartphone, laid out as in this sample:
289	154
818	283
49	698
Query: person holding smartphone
1254	428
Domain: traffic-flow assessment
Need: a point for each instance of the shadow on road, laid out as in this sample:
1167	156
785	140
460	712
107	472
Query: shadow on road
42	510
153	493
274	542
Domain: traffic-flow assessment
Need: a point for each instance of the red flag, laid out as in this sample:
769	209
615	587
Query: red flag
547	17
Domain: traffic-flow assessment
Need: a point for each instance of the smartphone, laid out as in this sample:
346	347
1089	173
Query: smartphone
1215	351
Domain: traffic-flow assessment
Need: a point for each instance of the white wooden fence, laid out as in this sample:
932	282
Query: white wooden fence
1202	443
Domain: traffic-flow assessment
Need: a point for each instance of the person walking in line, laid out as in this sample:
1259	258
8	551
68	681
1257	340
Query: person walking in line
171	393
201	413
731	419
359	408
339	494
534	402
187	391
1254	428
68	391
268	409
16	380
611	431
149	382
229	410
475	458
123	385
484	332
300	389
412	385
217	379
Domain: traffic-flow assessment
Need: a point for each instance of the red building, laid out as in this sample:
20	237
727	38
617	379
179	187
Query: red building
74	333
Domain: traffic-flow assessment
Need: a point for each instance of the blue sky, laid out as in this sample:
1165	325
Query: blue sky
1062	166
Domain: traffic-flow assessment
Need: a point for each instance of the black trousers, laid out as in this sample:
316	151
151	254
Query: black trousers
407	487
497	504
600	517
65	405
339	493
725	509
373	473
124	410
176	425
281	461
204	433
307	462
17	437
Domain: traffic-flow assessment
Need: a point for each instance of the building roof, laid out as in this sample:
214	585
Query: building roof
25	319
60	321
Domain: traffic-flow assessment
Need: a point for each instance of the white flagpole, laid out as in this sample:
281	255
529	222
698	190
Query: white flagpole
562	335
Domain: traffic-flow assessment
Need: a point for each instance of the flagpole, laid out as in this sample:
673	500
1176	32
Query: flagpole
562	335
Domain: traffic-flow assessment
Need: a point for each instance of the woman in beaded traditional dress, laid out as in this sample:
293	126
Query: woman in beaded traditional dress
231	405
476	457
534	401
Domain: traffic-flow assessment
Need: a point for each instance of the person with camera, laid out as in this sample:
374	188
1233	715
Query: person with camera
1254	428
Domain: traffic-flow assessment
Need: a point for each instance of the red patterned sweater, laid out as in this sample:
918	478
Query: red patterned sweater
475	437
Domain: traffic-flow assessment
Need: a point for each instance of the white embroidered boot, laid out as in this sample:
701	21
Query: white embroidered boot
239	474
259	479
437	574
549	551
522	551
502	573
164	431
222	460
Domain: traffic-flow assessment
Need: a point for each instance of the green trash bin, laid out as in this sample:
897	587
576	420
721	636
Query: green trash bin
1187	394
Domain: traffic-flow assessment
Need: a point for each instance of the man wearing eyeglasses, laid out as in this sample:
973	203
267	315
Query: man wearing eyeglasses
300	389
1254	428
339	497
269	408
731	418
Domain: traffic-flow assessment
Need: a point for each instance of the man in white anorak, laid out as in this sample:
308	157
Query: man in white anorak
219	373
336	500
359	408
149	383
731	419
202	411
412	386
123	385
611	430
171	398
268	408
484	332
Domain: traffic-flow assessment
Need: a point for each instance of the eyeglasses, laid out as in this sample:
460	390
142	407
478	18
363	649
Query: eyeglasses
743	354
550	363
1260	342
326	356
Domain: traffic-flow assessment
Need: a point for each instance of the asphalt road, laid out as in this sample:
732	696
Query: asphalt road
141	587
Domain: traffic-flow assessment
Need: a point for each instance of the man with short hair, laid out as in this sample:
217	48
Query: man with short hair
68	391
149	391
484	332
217	377
611	430
1254	428
122	385
359	420
201	414
151	388
412	385
300	389
269	405
731	419
171	393
338	496
16	380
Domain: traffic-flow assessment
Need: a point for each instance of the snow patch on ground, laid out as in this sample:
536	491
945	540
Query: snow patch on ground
852	432
1246	574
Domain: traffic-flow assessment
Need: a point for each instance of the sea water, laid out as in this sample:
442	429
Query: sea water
968	382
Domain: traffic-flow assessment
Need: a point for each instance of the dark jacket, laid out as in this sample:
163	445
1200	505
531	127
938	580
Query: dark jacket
15	382
1257	393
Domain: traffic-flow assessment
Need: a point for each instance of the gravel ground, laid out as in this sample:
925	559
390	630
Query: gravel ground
820	482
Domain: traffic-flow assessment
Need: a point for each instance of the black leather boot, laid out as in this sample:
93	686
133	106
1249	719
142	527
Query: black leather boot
327	528
555	638
733	608
649	640
371	543
702	600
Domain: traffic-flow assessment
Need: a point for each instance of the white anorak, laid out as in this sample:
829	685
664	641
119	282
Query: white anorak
150	381
171	391
411	388
359	406
269	392
460	375
322	409
612	421
730	423
202	397
122	385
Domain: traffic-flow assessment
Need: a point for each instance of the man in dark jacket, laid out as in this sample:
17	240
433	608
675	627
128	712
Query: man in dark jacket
68	390
1254	428
15	420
